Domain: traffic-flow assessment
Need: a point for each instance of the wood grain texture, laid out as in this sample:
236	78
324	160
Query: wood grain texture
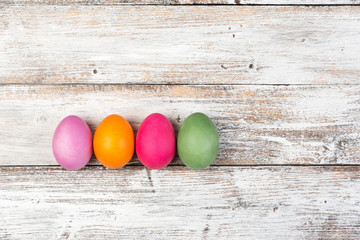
256	124
176	2
183	44
177	203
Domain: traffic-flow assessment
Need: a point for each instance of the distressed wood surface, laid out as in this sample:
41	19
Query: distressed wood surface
177	2
183	44
178	203
257	124
280	82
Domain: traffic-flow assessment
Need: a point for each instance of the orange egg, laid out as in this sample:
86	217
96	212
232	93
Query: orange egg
114	142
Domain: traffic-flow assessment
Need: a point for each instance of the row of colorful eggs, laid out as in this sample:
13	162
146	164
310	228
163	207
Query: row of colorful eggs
114	142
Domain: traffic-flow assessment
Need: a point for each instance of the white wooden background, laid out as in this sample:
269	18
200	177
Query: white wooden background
280	78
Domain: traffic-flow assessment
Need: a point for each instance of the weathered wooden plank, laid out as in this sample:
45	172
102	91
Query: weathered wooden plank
178	203
184	44
257	124
176	2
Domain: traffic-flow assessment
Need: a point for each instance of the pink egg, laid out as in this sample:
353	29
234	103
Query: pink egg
155	141
72	143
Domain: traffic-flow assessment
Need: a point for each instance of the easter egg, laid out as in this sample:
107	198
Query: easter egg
72	143
114	142
198	141
155	141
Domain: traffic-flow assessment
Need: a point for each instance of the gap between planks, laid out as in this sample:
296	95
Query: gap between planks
179	84
171	165
189	4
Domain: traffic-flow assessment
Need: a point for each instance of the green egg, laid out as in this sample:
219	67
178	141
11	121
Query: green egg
198	141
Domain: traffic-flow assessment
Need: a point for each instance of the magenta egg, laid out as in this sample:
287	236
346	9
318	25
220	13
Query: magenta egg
155	141
72	143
